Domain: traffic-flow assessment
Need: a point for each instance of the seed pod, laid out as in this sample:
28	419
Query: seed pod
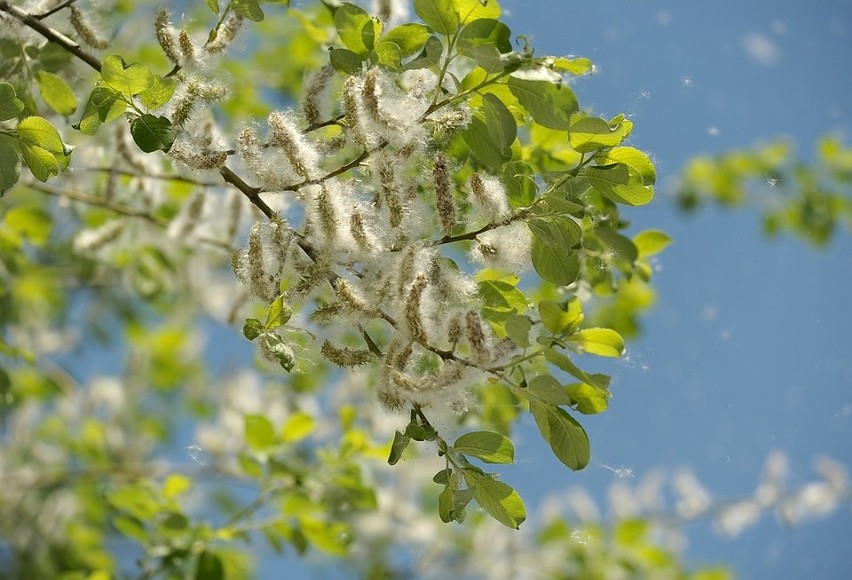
345	356
413	316
85	30
165	36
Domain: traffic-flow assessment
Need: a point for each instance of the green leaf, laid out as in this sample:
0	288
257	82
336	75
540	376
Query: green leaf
213	5
42	163
631	158
452	501
559	318
56	93
10	105
650	242
158	94
620	183
599	341
501	300
344	61
389	55
356	29
439	14
103	106
136	500
564	362
500	123
519	179
574	66
485	32
175	485
209	567
153	133
400	442
487	446
278	315
430	56
549	104
10	166
593	133
298	426
471	10
552	256
621	248
259	432
127	79
410	38
29	221
282	353
518	330
478	137
547	389
38	131
498	499
248	8
563	433
252	328
588	399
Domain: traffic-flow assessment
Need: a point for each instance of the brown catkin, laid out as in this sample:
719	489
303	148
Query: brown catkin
85	30
316	86
476	337
444	194
371	93
226	34
351	111
359	231
413	316
345	356
187	47
163	30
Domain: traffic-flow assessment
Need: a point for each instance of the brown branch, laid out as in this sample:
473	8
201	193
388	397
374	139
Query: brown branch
50	34
252	193
486	228
128	173
117	208
55	9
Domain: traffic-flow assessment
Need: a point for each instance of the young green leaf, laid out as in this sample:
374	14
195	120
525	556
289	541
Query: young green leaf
151	133
298	426
588	399
278	314
500	123
344	61
356	29
252	328
547	389
487	446
593	133
620	183
498	499
42	163
559	318
631	158
103	106
127	79
563	433
518	330
259	432
39	132
552	255
159	93
599	341
400	442
478	137
56	93
410	38
471	10
10	105
549	104
563	362
574	66
209	567
519	179
651	242
10	165
485	32
248	8
439	14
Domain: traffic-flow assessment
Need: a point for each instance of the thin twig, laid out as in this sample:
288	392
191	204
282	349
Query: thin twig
55	9
51	34
128	173
252	193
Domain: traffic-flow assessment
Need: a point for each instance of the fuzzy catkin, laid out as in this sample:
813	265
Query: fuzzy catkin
413	316
444	194
85	30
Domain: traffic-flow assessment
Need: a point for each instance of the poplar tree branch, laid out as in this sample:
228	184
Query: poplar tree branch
50	34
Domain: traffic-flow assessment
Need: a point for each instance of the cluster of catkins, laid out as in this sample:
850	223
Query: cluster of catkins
374	232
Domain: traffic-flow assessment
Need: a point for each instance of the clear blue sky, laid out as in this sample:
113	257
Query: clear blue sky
747	350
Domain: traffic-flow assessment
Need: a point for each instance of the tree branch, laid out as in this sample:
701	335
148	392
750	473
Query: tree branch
51	34
252	193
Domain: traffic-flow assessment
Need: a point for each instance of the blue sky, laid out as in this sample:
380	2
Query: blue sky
746	351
